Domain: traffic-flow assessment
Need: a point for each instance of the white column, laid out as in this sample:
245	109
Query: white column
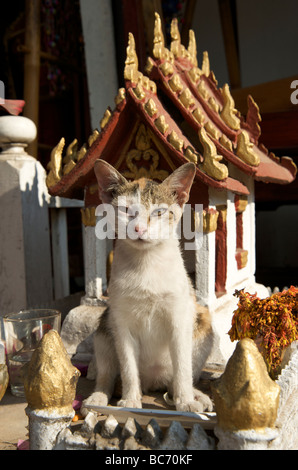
25	262
95	259
205	270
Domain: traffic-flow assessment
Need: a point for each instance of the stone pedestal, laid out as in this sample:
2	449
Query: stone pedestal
44	427
25	263
245	440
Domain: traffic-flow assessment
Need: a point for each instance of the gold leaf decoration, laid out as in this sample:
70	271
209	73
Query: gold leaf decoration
88	216
150	107
161	124
206	64
191	155
120	96
192	48
229	113
143	151
71	155
92	138
187	98
175	83
159	49
82	152
175	141
55	164
245	396
106	117
211	164
245	149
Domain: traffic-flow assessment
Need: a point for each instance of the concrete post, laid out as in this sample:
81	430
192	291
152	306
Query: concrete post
25	263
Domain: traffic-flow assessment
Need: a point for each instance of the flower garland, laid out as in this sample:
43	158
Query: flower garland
271	322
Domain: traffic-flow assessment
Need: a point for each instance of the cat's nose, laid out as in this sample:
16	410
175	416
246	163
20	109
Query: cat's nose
140	229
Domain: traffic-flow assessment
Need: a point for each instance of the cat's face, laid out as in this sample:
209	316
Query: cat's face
145	213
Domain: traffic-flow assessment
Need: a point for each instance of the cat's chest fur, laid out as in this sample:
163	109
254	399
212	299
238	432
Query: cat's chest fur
151	274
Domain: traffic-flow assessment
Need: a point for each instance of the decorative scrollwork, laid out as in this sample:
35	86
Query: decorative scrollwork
143	151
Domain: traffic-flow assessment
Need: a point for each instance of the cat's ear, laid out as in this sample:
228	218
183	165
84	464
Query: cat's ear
180	182
107	178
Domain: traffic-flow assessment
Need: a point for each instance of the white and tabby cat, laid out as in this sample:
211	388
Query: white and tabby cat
152	333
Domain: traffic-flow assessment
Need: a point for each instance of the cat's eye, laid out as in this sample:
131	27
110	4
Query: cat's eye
158	212
122	209
129	211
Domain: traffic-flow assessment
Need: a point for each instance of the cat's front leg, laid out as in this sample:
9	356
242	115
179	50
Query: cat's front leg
181	354
183	393
128	354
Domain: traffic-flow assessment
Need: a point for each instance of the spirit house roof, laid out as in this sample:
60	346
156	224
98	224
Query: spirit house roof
173	115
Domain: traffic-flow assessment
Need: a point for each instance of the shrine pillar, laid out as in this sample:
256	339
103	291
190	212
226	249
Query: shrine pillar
82	321
95	259
25	262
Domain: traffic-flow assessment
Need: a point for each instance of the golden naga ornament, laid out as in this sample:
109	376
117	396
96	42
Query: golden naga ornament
245	149
229	113
211	164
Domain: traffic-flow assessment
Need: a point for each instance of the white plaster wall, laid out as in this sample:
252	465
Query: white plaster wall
98	31
25	262
232	271
205	270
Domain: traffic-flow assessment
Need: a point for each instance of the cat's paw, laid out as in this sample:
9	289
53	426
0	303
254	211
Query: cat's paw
203	399
96	399
130	403
191	406
201	403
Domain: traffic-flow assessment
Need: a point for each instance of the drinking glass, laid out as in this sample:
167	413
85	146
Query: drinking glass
23	331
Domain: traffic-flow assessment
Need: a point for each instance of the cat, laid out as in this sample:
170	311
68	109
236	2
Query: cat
153	333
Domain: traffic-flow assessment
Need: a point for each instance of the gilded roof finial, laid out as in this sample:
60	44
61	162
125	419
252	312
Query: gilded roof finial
131	72
192	48
176	46
159	49
206	64
211	164
131	63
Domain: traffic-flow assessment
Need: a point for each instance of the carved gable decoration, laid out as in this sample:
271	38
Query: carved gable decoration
142	157
144	137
